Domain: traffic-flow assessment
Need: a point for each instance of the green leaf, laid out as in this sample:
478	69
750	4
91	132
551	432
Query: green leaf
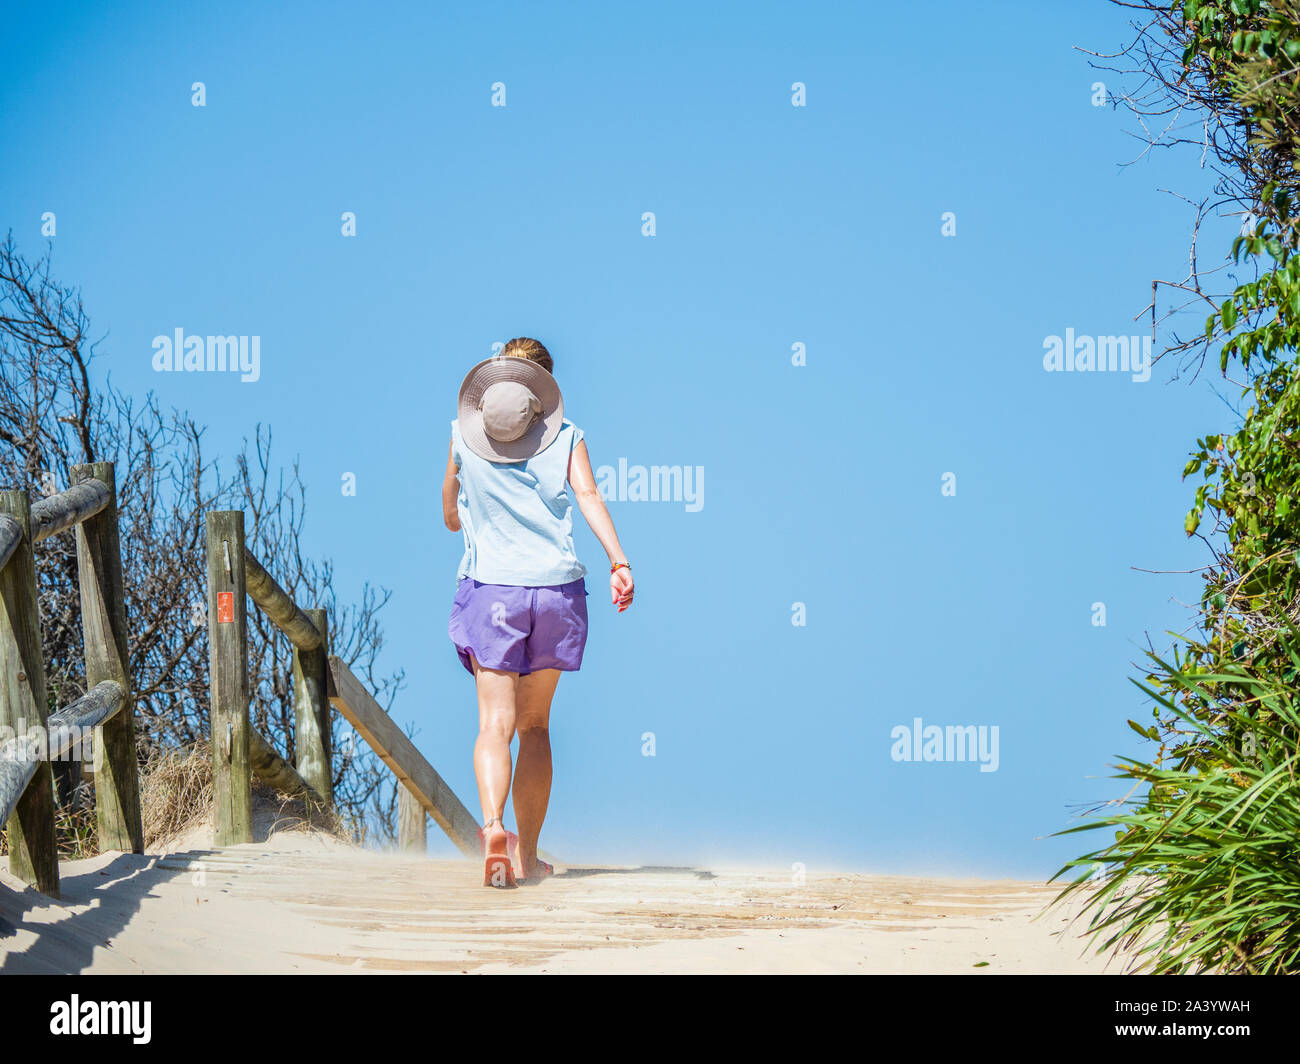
1146	733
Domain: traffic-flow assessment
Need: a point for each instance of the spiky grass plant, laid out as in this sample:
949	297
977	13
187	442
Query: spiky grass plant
1204	872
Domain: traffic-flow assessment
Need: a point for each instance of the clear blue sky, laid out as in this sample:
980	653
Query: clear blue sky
776	225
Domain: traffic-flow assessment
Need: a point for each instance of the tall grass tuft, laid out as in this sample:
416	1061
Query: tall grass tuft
175	791
1204	872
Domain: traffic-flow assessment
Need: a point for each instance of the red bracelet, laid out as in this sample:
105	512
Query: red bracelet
617	566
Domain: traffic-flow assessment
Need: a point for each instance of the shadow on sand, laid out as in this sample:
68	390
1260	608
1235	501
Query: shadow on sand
112	895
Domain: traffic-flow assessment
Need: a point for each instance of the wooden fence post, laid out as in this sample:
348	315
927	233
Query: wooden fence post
103	626
412	822
32	854
311	711
232	797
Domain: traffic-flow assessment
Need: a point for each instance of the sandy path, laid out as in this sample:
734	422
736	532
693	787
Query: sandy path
305	903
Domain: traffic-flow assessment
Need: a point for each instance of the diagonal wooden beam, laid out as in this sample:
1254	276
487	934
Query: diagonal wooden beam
279	605
396	750
269	766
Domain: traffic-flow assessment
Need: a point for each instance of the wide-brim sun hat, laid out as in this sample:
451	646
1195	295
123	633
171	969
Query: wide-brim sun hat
509	409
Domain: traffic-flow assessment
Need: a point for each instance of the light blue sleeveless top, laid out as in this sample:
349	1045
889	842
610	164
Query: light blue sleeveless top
517	517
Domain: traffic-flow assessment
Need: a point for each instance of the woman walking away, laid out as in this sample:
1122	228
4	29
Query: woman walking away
519	616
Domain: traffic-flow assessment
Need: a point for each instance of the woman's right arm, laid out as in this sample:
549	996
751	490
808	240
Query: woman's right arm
450	491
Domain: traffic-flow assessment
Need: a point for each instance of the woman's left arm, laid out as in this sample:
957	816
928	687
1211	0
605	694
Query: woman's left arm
583	480
450	491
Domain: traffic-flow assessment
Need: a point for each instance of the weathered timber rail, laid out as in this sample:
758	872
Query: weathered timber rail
60	512
101	722
33	737
65	730
319	681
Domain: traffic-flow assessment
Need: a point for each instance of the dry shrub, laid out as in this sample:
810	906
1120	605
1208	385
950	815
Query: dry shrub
76	827
176	796
175	792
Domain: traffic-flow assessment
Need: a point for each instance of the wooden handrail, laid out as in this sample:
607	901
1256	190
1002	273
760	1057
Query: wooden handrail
26	776
367	716
276	771
234	575
51	516
20	757
277	604
97	706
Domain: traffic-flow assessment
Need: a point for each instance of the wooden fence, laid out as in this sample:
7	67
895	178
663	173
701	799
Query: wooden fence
319	680
31	737
37	737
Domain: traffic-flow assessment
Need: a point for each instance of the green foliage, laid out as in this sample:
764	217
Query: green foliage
1250	49
1204	872
1220	29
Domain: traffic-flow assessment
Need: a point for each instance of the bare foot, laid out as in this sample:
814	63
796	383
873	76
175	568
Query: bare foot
494	837
532	868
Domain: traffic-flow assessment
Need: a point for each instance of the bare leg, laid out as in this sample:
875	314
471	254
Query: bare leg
533	696
496	727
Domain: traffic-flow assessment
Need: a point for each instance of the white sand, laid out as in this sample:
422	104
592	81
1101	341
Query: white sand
305	902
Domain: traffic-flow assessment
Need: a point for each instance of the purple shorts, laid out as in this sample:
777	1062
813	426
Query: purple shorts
519	629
